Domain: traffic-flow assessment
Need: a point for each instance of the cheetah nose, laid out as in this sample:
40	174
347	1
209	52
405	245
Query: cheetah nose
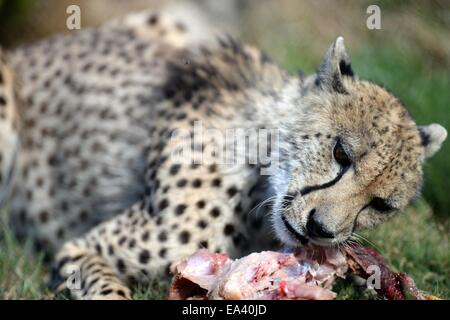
315	228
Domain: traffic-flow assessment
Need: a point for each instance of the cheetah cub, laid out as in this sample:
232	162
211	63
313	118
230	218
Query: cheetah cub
88	165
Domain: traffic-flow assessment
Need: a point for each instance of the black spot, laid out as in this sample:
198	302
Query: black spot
228	229
122	240
203	244
163	204
197	183
181	116
121	266
60	233
217	182
43	216
105	292
174	169
181	183
184	236
201	204
215	212
179	210
98	248
238	208
202	224
153	19
232	191
145	236
162	253
162	236
144	256
169	93
121	293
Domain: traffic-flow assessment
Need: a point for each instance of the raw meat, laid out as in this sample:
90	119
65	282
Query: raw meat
304	274
393	285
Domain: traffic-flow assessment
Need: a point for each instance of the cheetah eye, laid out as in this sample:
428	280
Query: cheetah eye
340	155
380	205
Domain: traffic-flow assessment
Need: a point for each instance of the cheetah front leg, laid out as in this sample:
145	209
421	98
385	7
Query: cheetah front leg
85	274
185	212
129	249
103	263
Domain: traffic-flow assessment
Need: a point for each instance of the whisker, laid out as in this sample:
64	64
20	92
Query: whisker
261	204
362	238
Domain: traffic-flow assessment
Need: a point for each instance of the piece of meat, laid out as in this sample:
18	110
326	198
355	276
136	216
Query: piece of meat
303	274
393	285
197	274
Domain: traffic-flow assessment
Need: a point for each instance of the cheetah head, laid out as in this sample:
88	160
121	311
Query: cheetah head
351	157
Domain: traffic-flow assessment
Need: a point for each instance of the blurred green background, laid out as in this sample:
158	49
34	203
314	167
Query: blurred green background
410	56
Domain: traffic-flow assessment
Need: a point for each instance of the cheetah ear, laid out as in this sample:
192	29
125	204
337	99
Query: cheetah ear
335	65
432	136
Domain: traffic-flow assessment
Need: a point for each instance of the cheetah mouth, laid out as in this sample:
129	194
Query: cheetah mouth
303	239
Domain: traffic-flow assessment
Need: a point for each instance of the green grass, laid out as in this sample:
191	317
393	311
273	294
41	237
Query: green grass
22	273
156	290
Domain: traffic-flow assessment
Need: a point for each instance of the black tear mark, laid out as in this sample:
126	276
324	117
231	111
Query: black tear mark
310	189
